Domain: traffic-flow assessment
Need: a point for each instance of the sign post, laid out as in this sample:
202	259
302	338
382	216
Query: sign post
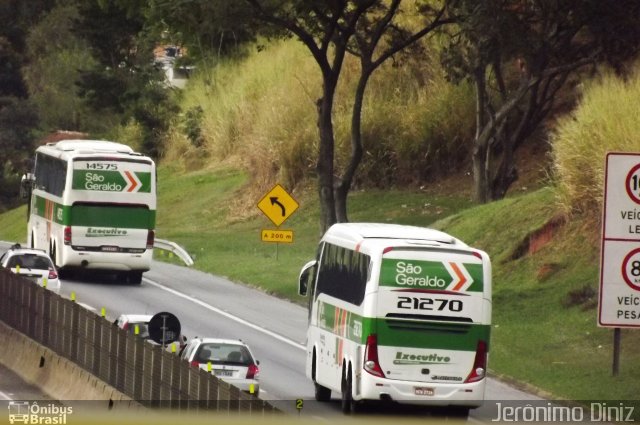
619	300
278	206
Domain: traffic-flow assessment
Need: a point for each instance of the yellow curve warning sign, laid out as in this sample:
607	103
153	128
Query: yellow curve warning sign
278	205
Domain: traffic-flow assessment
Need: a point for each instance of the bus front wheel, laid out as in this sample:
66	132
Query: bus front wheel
322	393
53	253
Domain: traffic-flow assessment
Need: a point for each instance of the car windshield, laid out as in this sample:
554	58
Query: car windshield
29	261
227	354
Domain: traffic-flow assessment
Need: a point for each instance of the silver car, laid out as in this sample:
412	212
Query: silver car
228	359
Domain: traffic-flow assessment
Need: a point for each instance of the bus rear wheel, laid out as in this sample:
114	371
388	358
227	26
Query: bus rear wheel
134	278
347	404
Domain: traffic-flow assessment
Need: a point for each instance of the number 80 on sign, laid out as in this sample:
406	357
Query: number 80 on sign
631	269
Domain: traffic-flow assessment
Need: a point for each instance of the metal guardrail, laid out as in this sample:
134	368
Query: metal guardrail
175	249
145	372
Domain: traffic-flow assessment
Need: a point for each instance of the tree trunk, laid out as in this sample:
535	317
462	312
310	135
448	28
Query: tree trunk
344	186
324	166
480	154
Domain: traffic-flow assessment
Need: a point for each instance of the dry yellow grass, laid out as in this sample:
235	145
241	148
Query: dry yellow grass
606	120
261	110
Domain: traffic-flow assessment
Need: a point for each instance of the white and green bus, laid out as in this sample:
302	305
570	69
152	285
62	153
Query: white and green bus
93	206
398	313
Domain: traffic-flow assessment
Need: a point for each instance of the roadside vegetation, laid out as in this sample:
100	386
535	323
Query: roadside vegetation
259	112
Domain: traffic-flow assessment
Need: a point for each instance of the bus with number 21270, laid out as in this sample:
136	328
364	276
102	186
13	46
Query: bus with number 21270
398	313
93	206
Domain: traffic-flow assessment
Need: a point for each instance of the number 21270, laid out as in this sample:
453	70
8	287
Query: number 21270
433	304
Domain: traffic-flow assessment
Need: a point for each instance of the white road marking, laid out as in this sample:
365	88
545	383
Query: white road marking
5	396
225	314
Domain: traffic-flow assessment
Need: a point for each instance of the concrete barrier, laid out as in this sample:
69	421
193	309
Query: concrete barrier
57	376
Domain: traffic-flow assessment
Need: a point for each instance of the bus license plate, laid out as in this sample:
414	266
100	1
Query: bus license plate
424	391
223	372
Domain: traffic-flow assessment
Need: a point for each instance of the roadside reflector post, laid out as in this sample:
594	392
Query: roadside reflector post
209	366
103	312
18	269
44	282
136	329
173	347
252	388
616	351
73	297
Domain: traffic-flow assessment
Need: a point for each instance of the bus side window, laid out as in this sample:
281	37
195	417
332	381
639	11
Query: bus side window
50	174
343	274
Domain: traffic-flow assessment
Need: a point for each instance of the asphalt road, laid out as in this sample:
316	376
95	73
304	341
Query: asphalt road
212	306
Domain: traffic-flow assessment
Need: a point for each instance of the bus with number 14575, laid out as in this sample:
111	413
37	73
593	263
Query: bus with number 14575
93	206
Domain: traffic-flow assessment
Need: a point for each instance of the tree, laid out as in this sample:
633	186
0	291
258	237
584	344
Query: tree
17	121
325	28
520	54
124	80
330	30
55	57
204	27
379	36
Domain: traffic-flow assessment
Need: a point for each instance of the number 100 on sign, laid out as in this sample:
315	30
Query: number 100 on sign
282	236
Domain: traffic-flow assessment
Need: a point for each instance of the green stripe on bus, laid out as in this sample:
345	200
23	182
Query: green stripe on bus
421	334
112	216
58	213
95	216
402	333
340	321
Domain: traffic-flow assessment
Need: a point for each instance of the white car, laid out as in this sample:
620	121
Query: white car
230	360
33	264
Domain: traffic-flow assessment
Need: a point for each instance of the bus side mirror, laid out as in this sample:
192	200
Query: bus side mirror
26	185
305	274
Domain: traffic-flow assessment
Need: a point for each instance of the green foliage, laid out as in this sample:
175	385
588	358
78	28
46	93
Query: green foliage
17	121
56	56
124	82
11	83
606	120
193	125
207	28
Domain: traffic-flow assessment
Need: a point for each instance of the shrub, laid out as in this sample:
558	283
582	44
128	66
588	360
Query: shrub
605	120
